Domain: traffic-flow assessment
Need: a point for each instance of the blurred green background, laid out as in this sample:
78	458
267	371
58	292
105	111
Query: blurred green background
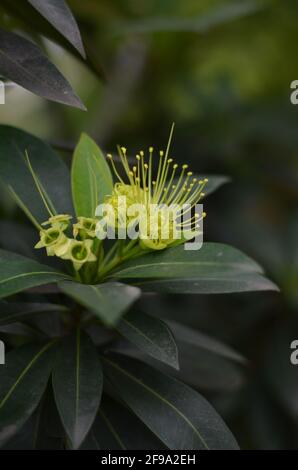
222	71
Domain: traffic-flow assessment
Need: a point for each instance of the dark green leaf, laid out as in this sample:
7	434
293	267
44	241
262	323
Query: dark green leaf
217	284
11	312
23	379
31	21
178	415
116	428
77	383
25	64
91	177
50	169
206	371
214	182
60	16
18	273
201	340
107	301
215	268
150	335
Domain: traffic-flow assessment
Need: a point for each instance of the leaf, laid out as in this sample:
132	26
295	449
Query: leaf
37	433
178	415
19	238
31	21
90	177
23	379
117	428
25	64
208	372
11	312
215	268
18	273
50	169
203	341
150	335
108	301
214	182
200	24
60	16
217	284
77	384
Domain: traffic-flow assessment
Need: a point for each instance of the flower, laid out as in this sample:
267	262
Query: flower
174	193
60	220
53	239
85	227
121	199
79	252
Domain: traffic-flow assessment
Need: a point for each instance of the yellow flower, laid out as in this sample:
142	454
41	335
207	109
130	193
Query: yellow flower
79	252
52	239
175	192
123	196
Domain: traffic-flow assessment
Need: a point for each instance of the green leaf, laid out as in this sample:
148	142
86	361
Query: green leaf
215	268
201	340
151	335
23	379
60	16
208	372
38	433
91	178
178	415
214	182
25	64
18	273
28	19
77	384
11	312
52	173
117	428
108	301
216	284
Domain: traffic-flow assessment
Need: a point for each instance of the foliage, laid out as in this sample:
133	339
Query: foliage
225	96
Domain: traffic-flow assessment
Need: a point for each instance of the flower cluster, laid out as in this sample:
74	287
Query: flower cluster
168	199
79	249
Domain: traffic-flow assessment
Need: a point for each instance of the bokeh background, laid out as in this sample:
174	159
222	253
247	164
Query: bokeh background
222	72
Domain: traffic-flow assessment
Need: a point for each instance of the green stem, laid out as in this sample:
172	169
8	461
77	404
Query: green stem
120	259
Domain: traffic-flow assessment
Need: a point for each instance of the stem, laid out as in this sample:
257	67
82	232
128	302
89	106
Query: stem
120	259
